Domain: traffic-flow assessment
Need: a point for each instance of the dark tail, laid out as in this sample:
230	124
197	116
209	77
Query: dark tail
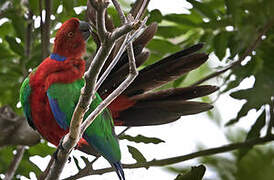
119	170
141	107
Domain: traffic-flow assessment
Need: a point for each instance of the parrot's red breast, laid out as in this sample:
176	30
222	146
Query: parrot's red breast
50	72
69	44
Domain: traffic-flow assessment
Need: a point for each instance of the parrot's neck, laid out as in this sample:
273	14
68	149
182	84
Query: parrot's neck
57	57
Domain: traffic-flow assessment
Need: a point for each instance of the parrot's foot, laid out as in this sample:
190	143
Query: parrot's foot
59	147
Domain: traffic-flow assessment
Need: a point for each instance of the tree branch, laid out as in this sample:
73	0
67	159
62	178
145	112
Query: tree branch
15	163
247	52
132	75
45	27
108	40
163	162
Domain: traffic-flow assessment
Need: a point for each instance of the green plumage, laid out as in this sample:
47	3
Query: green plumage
24	99
100	133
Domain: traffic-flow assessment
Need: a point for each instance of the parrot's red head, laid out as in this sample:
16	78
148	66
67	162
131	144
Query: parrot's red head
70	38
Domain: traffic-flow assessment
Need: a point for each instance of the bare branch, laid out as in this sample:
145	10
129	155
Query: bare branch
142	9
247	52
108	40
45	27
139	8
132	75
178	159
112	64
119	32
15	162
100	19
126	41
123	18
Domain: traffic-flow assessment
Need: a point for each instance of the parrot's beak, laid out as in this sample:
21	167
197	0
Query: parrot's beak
85	29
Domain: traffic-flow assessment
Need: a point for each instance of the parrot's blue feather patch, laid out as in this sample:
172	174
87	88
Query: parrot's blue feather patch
59	116
119	170
57	57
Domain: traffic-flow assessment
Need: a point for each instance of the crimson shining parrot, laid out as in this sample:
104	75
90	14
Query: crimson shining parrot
51	92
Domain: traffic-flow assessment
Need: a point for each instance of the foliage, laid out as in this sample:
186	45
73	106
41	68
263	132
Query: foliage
237	168
227	27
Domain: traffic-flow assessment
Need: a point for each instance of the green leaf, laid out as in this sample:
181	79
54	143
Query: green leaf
5	53
254	132
25	166
170	31
196	173
220	45
179	81
141	139
34	6
18	22
136	154
15	47
203	9
41	149
68	6
155	16
115	17
184	19
162	46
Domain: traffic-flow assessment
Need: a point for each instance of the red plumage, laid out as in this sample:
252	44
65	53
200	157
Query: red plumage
49	72
69	43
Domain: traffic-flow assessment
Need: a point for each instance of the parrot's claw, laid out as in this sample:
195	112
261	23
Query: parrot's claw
60	147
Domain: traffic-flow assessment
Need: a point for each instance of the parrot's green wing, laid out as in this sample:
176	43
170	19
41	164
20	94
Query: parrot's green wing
100	134
25	101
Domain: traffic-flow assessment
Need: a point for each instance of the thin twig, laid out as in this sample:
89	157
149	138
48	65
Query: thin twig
247	52
178	159
120	52
141	10
112	64
122	16
15	162
125	130
101	25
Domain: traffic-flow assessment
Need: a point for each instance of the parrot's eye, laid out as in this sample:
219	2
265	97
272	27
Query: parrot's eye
70	34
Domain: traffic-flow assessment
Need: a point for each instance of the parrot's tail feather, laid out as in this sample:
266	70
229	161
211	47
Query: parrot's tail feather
163	106
119	170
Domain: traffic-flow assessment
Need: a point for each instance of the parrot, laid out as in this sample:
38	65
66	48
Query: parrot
51	91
